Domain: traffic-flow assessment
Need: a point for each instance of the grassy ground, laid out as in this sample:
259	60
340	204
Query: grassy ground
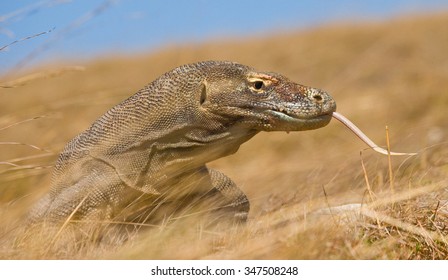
392	73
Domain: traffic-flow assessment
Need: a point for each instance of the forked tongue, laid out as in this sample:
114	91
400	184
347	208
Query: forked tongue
364	137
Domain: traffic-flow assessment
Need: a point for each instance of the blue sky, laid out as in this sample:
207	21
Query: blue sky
84	29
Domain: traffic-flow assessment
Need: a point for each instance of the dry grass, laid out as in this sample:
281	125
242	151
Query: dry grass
391	73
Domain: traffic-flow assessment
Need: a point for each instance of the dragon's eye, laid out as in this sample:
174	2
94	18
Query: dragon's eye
258	85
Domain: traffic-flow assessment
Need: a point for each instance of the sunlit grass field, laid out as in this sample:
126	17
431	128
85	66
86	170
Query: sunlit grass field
314	195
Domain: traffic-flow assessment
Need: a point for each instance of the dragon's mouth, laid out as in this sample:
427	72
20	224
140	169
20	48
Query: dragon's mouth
292	112
283	120
279	118
287	116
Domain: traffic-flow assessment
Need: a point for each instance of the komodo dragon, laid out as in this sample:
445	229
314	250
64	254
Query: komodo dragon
158	141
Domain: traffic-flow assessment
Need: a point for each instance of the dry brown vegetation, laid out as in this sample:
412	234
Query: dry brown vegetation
392	73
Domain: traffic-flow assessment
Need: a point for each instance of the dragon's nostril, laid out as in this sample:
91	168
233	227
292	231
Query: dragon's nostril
318	97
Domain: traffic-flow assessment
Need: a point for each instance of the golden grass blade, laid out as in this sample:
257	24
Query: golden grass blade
40	75
27	145
365	211
64	225
20	122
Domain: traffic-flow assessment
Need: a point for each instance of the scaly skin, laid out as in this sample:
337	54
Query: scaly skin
153	147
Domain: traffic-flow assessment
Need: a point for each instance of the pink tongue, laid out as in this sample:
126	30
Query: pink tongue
364	137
